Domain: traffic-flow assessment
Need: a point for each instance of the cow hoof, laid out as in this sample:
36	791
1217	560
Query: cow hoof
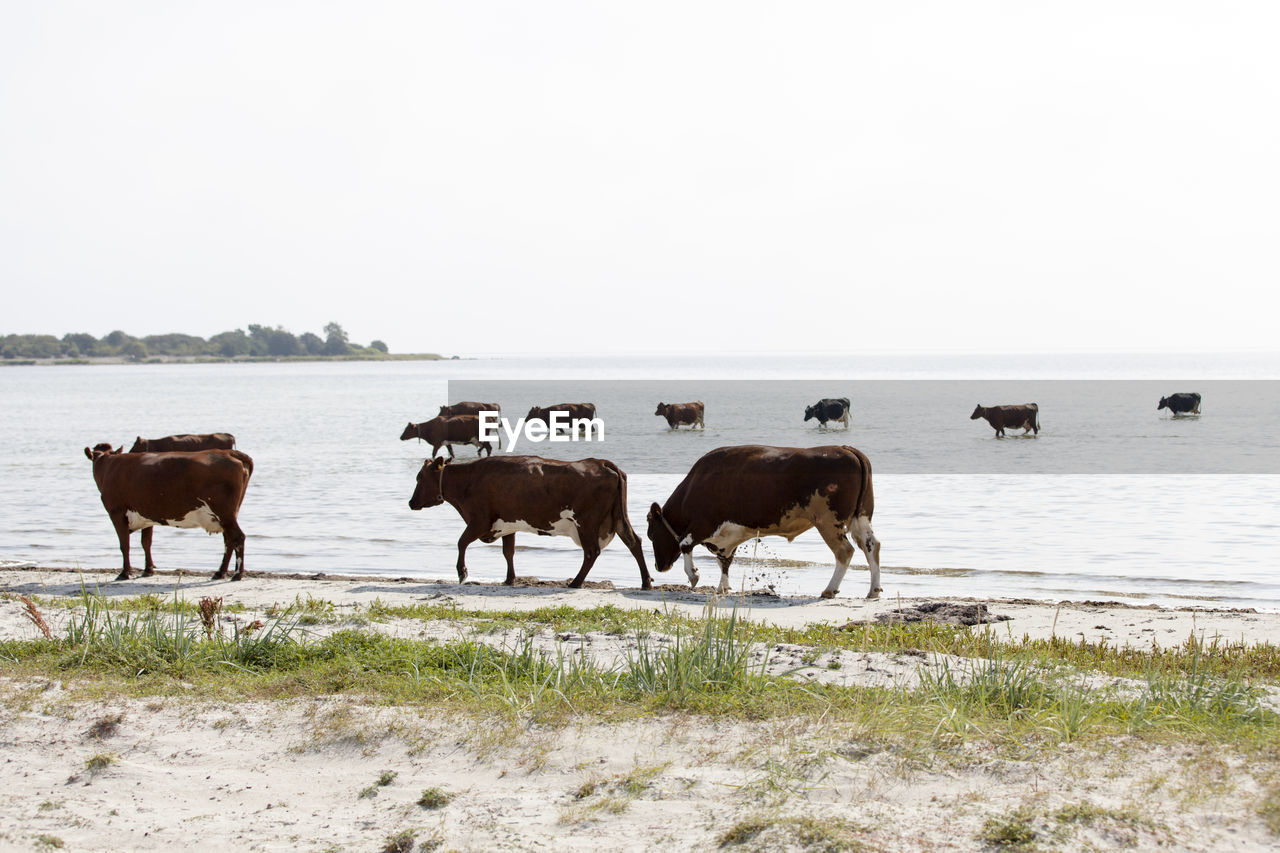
873	595
237	577
575	584
829	593
462	575
123	576
218	576
149	573
646	585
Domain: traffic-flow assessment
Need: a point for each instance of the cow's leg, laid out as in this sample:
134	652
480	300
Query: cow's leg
590	552
509	554
233	536
725	559
149	566
866	540
449	447
689	569
121	523
468	536
632	541
843	550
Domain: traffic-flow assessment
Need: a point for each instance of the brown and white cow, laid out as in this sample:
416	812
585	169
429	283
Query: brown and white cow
1025	417
501	496
446	432
574	411
185	441
682	414
735	494
203	488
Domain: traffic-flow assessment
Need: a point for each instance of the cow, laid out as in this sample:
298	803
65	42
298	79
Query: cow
1180	404
1025	417
446	432
185	441
501	496
829	409
202	488
734	494
682	414
575	411
467	408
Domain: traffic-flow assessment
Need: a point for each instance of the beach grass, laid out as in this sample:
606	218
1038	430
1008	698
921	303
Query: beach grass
1022	696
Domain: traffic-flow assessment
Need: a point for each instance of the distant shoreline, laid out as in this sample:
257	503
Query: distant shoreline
210	359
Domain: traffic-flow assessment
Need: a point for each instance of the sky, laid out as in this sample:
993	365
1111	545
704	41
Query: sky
634	177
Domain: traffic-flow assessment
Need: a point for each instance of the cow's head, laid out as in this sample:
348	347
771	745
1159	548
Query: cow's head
1164	401
443	410
101	449
810	412
139	445
430	488
411	431
665	545
977	413
661	411
535	414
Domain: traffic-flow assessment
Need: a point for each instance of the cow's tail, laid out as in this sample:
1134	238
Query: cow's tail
622	525
865	504
1036	417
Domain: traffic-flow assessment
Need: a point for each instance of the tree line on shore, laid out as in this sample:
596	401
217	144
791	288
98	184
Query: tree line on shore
259	341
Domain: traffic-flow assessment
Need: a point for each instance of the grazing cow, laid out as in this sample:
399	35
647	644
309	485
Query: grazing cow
682	414
1180	404
446	432
185	441
735	494
498	498
829	409
575	411
1026	417
203	488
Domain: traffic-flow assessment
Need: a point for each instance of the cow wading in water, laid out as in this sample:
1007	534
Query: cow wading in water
185	441
682	414
1181	404
829	409
202	488
735	494
1025	417
446	432
501	496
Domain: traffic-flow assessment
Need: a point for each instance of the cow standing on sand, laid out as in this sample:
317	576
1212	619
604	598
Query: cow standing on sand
185	441
682	414
201	488
829	409
1181	404
498	498
446	432
735	494
1025	417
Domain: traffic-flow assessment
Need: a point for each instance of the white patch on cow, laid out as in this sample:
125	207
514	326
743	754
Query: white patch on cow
138	522
605	540
865	538
724	583
201	517
687	540
566	525
729	536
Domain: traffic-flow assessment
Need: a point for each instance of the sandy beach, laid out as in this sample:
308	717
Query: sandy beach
345	772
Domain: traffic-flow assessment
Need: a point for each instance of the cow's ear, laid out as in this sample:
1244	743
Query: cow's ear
655	511
88	453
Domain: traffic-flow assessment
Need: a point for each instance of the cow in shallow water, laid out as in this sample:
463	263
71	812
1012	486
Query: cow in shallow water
446	432
574	412
1025	417
735	494
829	409
185	441
202	489
682	414
1181	404
501	496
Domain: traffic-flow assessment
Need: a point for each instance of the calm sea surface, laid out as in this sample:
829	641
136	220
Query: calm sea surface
332	481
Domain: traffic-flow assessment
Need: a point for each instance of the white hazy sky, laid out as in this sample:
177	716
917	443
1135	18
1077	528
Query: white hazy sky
514	176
